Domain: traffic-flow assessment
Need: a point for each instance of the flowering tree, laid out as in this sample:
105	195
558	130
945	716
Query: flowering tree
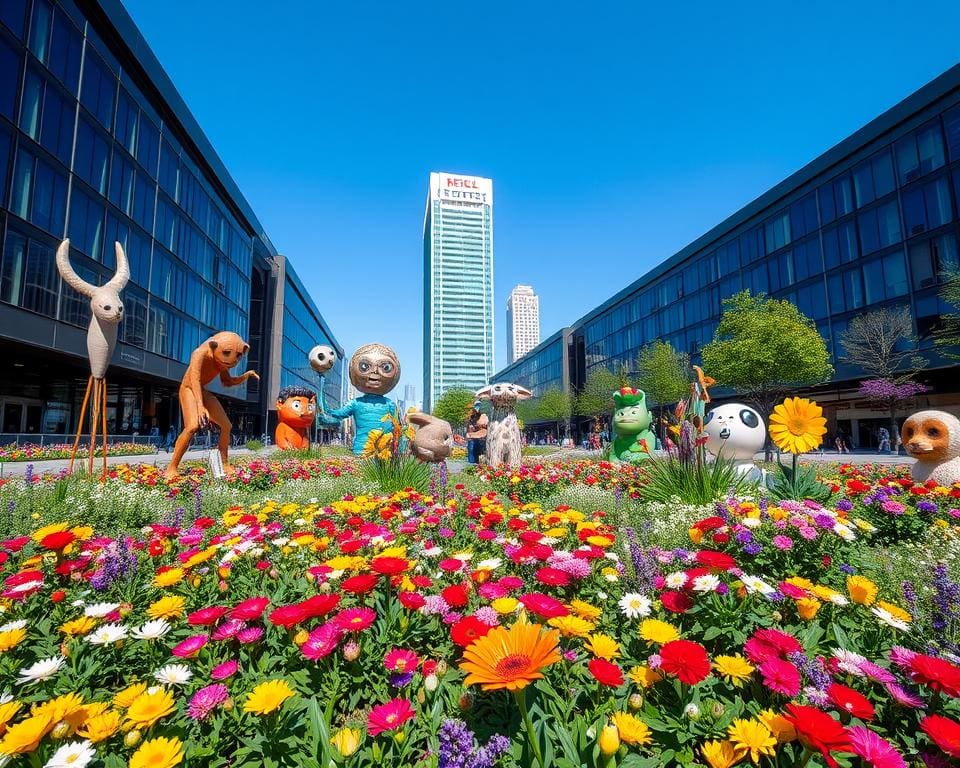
890	394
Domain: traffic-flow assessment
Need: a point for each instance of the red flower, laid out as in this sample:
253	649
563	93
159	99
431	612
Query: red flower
451	564
685	660
250	609
15	545
412	600
719	560
937	674
710	523
155	548
606	672
455	595
780	676
468	629
58	541
553	577
848	700
206	616
944	732
676	602
389	566
360	584
543	605
818	731
288	615
58	596
319	605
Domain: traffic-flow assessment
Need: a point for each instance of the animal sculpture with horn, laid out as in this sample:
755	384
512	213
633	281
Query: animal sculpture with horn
106	315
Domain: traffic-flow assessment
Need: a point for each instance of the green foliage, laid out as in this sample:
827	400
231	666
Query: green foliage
692	482
454	406
304	454
526	411
798	482
396	474
596	397
554	405
765	347
947	336
253	445
663	373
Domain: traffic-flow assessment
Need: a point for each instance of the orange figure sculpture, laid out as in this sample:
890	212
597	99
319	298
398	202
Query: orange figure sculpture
215	357
296	411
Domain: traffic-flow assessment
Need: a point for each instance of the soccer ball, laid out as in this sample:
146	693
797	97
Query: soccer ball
322	358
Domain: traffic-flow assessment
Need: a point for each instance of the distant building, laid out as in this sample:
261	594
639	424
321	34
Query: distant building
409	394
523	322
457	284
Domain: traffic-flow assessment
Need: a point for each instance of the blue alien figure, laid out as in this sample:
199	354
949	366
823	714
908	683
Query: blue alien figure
374	371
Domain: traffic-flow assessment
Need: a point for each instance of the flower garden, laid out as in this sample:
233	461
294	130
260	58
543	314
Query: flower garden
32	452
545	616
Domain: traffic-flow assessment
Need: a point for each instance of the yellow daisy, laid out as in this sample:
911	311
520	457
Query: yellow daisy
603	646
656	631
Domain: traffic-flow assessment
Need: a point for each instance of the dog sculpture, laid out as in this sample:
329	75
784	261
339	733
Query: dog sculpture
503	431
933	439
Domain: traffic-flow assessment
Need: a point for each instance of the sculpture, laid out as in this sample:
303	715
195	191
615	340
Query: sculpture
736	432
296	411
374	371
106	315
700	396
215	357
433	440
933	439
633	441
503	431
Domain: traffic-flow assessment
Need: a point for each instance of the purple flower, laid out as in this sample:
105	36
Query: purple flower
876	672
206	700
886	391
824	521
744	537
458	747
926	506
848	569
783	542
753	548
808	533
892	507
844	505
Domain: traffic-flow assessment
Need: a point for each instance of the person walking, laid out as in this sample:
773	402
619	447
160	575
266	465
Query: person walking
476	433
883	435
171	438
841	442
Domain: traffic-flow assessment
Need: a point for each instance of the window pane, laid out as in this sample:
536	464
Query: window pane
86	224
13	13
93	153
40	280
49	206
128	114
5	142
937	202
883	179
32	105
148	145
10	66
22	189
873	281
921	266
951	124
66	46
14	259
56	133
99	90
40	28
895	276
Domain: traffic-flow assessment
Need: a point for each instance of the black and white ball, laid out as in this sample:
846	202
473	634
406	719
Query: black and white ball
734	431
322	358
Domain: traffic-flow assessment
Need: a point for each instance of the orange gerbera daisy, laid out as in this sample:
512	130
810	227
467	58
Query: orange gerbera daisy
510	658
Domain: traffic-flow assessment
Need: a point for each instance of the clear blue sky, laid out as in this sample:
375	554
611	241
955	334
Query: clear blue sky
615	133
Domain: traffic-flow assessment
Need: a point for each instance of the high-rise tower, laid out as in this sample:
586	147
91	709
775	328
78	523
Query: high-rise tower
523	322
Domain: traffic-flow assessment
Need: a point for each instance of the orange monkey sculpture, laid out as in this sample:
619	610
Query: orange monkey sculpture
296	411
215	357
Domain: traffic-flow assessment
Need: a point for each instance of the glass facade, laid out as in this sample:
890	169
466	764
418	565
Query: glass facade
540	369
457	285
877	227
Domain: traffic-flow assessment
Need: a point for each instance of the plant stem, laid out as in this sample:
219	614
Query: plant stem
807	754
521	697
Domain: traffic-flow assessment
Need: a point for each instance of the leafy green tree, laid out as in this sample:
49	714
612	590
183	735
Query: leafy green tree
454	406
764	348
596	396
663	373
555	405
881	343
947	336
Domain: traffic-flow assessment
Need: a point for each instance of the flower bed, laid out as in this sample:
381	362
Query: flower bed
470	630
31	452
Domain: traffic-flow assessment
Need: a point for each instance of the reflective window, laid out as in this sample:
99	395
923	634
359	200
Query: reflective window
752	245
86	223
885	278
803	216
121	183
927	207
56	41
47	116
133	329
777	231
148	145
951	124
836	199
13	13
10	65
39	193
75	307
99	89
932	258
874	178
781	272
879	227
167	224
920	152
11	273
40	279
728	258
839	245
806	259
143	197
5	142
128	119
169	173
92	155
135	244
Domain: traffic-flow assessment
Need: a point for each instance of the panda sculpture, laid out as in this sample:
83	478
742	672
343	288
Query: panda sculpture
736	432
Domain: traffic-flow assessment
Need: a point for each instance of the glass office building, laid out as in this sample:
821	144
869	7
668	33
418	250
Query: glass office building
872	222
96	145
457	285
546	366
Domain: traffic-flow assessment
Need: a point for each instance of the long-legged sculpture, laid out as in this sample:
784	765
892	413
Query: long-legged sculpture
106	314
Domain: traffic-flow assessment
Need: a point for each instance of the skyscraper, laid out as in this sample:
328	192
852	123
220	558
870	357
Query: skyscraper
523	322
457	285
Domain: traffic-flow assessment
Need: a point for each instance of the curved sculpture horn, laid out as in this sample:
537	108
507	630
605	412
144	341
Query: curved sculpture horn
69	276
119	280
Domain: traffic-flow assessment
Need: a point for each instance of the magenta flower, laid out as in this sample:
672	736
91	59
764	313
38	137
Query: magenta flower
389	716
228	629
780	676
873	749
206	700
250	635
903	696
401	660
189	647
876	672
782	542
225	670
322	641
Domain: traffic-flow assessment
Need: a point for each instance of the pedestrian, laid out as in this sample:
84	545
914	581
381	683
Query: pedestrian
477	423
841	442
883	435
171	438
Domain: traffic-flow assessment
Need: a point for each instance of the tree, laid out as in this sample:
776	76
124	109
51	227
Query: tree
947	336
663	373
765	347
881	342
890	394
454	406
555	405
596	396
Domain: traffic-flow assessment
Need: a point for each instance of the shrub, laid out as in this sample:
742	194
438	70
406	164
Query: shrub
253	445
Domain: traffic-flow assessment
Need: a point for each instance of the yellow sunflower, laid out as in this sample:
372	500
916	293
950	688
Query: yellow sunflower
571	626
379	445
797	425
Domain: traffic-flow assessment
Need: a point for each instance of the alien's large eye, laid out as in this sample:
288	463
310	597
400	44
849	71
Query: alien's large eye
749	418
386	367
106	307
364	366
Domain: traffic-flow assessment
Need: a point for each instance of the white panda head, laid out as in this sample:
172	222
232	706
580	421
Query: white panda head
322	358
735	431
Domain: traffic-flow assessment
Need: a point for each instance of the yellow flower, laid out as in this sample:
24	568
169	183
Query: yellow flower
608	741
807	607
571	626
379	444
751	737
78	627
779	726
147	708
644	676
696	535
719	754
168	578
827	594
82	532
603	646
585	610
656	631
894	610
100	727
797	425
41	533
734	669
68	707
25	736
861	589
169	607
347	741
128	695
799	581
199	558
268	697
505	605
11	638
7	711
158	753
633	730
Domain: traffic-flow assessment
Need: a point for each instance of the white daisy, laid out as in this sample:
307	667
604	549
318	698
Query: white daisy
73	755
173	674
99	610
151	630
282	541
849	661
751	522
756	584
27	586
675	580
889	619
635	606
41	670
12	625
490	564
844	532
706	583
837	599
432	551
611	577
106	634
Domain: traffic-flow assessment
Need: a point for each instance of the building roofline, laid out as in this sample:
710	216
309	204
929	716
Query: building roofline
555	336
938	88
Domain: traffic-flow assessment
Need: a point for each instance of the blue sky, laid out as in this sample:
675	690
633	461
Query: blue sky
615	133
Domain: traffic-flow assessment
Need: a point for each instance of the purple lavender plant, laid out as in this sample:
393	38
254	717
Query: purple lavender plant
458	747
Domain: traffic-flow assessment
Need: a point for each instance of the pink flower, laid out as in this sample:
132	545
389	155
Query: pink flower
250	609
904	697
874	750
389	716
206	616
206	700
322	641
902	656
189	647
355	619
780	676
401	660
225	670
876	672
249	635
782	542
228	629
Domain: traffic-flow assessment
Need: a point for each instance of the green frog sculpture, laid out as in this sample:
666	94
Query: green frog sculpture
633	440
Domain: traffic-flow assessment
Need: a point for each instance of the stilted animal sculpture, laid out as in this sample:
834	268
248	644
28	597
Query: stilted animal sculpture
503	431
214	358
106	315
933	439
